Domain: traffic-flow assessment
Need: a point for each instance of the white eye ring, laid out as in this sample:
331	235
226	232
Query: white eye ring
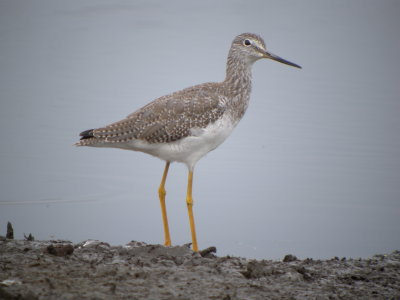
247	42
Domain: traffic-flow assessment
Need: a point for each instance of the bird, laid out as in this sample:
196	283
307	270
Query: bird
185	125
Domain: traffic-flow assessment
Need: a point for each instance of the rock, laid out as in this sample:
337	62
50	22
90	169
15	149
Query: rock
289	258
60	249
29	237
208	252
10	231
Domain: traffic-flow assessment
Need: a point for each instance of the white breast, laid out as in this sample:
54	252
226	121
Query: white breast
189	149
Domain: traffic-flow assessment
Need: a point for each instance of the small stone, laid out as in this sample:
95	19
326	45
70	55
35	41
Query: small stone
10	231
208	252
60	250
30	237
289	258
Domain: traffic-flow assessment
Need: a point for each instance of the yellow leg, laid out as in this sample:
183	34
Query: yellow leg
189	203
161	194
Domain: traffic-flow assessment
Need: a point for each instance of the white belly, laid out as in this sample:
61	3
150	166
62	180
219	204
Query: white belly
189	149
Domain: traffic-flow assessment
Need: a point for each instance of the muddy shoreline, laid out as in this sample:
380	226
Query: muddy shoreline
96	270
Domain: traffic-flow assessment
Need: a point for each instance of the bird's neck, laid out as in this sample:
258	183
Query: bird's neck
238	85
238	75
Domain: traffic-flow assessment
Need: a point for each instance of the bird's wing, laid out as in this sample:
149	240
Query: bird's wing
168	118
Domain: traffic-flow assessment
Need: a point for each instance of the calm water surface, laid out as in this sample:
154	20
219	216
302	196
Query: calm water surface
313	168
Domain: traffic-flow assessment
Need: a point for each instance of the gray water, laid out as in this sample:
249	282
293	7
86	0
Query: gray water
313	169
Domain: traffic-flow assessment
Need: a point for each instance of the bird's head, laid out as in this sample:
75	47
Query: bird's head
251	47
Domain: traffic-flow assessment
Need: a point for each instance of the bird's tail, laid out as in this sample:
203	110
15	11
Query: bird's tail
87	138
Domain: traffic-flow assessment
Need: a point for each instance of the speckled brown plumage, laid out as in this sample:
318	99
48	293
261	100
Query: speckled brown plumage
166	119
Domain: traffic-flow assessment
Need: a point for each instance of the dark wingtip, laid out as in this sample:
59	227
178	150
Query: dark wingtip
87	134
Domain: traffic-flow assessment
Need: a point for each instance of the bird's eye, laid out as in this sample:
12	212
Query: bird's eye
247	42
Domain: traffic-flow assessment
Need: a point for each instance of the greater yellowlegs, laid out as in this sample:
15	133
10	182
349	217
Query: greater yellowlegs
186	125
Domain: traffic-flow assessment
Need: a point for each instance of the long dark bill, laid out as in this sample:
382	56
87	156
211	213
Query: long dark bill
281	60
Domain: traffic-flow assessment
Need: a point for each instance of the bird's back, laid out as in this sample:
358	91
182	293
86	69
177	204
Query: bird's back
164	120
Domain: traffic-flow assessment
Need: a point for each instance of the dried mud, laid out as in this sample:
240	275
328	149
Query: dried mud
95	270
